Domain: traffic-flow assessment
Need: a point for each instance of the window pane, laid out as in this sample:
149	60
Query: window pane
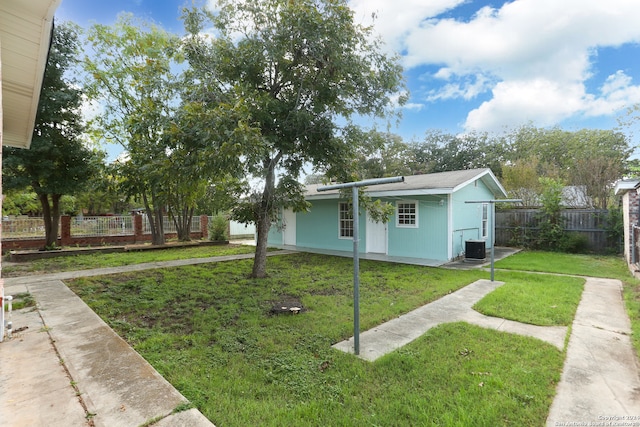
345	220
407	214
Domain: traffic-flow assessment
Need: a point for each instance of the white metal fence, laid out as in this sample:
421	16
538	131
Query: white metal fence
169	226
86	226
22	228
89	226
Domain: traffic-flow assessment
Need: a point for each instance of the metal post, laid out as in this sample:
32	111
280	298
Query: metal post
356	272
493	224
356	240
493	236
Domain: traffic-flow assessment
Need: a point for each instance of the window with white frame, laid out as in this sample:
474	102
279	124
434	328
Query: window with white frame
407	214
345	220
485	220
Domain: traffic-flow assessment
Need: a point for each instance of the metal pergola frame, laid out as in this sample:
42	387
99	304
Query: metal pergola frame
356	240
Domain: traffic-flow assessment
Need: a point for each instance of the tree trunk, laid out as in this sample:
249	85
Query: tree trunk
51	217
154	216
260	259
263	220
183	224
158	238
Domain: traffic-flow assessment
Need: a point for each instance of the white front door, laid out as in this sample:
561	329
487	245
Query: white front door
376	236
289	223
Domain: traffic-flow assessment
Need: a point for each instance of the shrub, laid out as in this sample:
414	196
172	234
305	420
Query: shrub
615	230
551	234
218	228
575	243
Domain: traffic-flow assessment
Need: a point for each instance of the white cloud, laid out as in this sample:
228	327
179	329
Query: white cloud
521	101
617	93
394	20
466	88
413	106
533	57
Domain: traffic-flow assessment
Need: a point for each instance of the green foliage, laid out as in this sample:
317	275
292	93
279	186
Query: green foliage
379	154
131	70
580	265
21	203
441	152
590	158
288	73
58	162
521	179
101	260
218	228
551	232
575	243
615	229
20	301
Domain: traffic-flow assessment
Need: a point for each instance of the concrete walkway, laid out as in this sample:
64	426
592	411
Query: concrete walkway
64	366
600	382
68	368
454	307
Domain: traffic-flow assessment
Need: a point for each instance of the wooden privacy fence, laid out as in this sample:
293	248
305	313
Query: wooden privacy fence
517	227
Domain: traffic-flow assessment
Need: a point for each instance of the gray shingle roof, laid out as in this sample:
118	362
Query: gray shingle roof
433	183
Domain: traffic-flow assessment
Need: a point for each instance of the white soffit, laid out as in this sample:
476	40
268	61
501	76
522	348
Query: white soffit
25	34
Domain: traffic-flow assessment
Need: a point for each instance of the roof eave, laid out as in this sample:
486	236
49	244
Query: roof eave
490	181
21	89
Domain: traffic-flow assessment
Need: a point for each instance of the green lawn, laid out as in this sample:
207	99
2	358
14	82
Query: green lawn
554	262
208	329
544	300
99	260
584	265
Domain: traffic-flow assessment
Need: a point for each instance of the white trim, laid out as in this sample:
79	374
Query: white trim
480	177
394	193
450	226
416	213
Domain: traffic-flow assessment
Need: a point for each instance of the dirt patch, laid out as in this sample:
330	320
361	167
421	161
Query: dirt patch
287	305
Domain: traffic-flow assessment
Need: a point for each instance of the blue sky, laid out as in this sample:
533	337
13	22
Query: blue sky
481	65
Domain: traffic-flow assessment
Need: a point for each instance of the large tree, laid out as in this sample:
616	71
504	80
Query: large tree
132	73
441	152
592	159
298	69
193	164
58	161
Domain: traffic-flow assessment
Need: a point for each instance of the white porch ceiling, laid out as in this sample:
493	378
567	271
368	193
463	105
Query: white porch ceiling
25	33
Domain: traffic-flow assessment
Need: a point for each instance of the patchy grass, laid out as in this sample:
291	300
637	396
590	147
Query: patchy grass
555	262
209	330
20	301
88	261
537	299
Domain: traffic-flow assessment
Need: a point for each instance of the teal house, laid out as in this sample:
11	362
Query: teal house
432	218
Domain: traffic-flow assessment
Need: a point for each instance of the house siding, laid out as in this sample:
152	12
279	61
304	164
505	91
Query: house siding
444	223
429	239
467	217
318	228
275	233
